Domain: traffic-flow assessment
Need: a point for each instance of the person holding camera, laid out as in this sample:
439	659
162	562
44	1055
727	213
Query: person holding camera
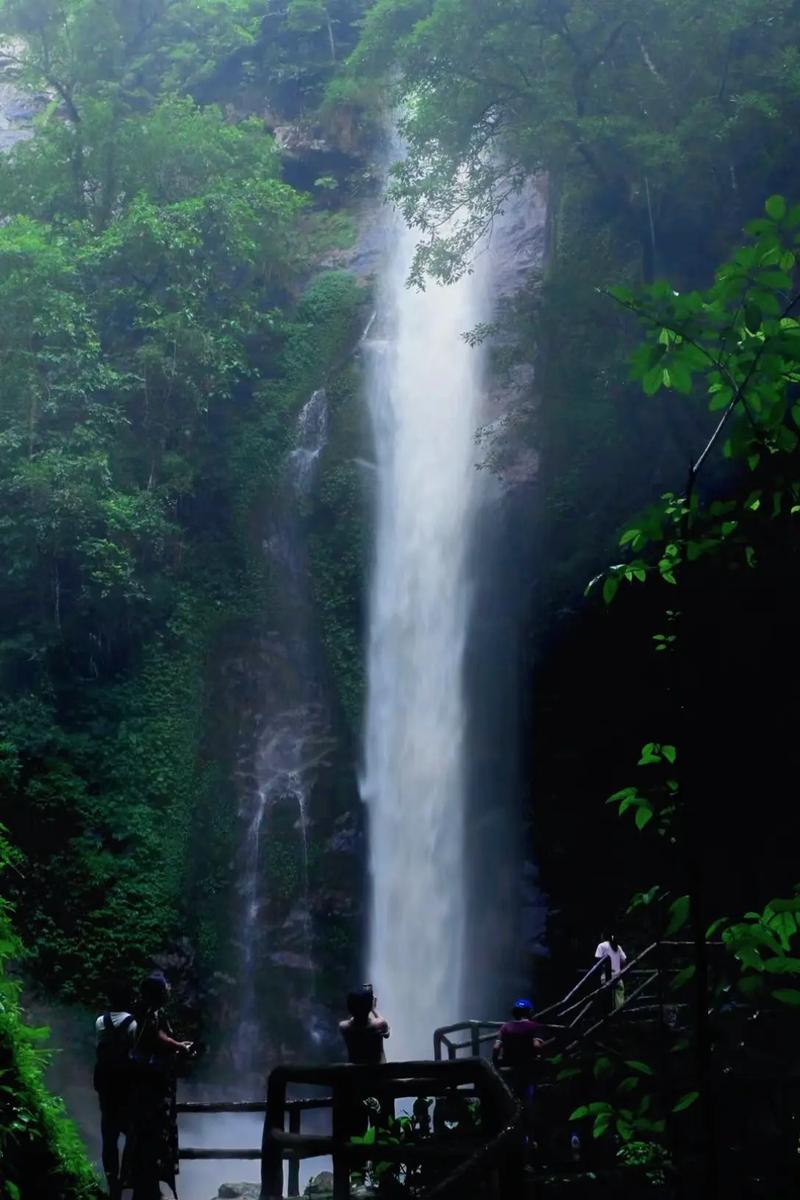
152	1151
365	1030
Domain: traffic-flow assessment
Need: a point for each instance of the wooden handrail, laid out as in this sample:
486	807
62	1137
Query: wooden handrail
501	1114
604	987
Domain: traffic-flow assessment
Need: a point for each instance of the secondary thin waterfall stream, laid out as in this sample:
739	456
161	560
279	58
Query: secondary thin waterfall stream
293	744
425	390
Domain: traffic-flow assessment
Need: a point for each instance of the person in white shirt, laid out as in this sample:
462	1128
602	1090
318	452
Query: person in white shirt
116	1033
614	959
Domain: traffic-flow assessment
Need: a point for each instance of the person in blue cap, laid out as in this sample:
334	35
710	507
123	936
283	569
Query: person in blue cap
517	1048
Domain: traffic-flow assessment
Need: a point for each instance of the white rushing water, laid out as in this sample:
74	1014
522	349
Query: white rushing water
425	392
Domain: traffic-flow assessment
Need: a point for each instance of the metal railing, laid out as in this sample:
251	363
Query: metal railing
480	1032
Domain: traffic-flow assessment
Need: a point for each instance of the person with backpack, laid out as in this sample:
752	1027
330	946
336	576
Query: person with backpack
116	1033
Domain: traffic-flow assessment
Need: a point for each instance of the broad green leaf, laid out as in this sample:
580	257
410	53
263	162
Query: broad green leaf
652	380
643	816
601	1124
636	1065
602	1066
748	956
578	1113
685	1102
678	915
610	588
783	965
624	794
783	923
790	996
775	279
680	376
776	208
683	977
720	400
568	1073
752	316
786	439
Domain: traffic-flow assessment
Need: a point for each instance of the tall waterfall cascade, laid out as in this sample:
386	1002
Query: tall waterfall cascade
425	389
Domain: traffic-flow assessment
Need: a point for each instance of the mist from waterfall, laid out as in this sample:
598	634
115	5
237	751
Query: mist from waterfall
425	390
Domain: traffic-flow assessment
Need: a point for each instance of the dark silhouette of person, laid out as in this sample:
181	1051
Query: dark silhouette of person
116	1031
153	1140
365	1030
517	1048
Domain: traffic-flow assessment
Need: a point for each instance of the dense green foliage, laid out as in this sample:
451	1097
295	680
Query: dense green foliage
154	355
339	545
670	108
40	1151
738	343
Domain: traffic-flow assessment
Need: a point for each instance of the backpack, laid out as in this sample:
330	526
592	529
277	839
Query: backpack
113	1062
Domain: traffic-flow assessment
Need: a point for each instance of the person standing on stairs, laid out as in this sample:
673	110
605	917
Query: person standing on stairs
517	1048
116	1034
516	1051
614	959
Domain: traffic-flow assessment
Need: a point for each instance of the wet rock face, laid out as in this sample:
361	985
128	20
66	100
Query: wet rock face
238	1191
518	241
18	108
308	866
321	1186
308	153
517	250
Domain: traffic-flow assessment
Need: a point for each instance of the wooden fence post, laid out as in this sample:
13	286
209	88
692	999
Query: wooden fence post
271	1152
294	1162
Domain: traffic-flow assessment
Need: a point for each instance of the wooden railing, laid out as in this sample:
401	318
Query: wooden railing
455	1157
577	1016
294	1110
461	1157
580	1013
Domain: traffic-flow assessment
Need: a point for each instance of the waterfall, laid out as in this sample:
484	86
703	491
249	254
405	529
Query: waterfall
425	392
294	743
